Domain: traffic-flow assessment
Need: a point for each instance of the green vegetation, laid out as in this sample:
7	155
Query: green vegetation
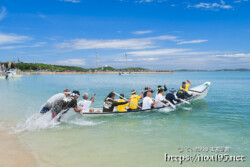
48	67
240	69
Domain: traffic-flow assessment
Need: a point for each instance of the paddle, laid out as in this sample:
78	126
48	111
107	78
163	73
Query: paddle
194	91
92	95
126	99
173	106
184	101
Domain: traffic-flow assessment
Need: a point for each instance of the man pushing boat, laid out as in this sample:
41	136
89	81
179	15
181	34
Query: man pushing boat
53	100
62	106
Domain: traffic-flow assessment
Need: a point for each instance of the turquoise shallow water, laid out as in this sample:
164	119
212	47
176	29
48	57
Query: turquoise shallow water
136	139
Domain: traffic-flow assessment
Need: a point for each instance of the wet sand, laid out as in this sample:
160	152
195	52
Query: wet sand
12	153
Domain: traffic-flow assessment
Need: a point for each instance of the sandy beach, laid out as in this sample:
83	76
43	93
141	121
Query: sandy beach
12	152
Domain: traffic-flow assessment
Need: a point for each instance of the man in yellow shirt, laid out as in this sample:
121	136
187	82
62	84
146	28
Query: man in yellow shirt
185	86
135	100
122	108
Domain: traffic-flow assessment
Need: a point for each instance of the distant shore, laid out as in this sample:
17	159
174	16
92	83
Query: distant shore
97	72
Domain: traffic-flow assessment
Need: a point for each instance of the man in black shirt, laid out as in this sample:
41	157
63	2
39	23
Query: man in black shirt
182	94
147	89
160	87
171	97
110	103
62	106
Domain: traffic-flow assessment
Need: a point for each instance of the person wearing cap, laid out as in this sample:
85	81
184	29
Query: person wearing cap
185	86
84	105
171	96
54	99
122	108
148	103
110	103
135	100
160	97
160	87
183	94
147	89
63	106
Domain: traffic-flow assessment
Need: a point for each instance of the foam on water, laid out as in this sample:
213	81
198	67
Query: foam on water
82	122
166	110
36	122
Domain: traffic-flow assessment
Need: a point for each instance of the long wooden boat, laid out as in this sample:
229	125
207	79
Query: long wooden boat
199	92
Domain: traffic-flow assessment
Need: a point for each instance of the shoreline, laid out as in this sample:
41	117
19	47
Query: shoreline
98	72
13	153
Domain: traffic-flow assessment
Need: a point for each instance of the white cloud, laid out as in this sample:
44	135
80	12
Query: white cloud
212	6
133	43
148	1
239	1
169	52
23	46
193	41
159	52
42	15
12	38
140	60
142	32
123	60
77	62
144	1
3	13
150	59
73	1
236	55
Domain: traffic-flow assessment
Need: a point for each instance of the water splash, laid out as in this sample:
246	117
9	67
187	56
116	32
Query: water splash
36	122
166	110
82	122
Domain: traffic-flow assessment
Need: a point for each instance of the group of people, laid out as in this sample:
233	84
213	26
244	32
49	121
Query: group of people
60	103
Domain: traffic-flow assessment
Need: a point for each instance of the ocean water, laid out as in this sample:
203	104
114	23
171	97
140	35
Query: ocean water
221	119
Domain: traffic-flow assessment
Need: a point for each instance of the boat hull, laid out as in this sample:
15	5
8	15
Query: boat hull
199	92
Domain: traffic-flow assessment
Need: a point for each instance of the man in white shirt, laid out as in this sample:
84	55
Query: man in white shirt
84	105
54	99
148	102
160	97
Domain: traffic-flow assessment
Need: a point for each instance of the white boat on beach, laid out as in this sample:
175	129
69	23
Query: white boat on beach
199	92
124	73
10	74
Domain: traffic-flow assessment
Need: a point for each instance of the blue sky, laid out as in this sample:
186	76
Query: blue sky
156	34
